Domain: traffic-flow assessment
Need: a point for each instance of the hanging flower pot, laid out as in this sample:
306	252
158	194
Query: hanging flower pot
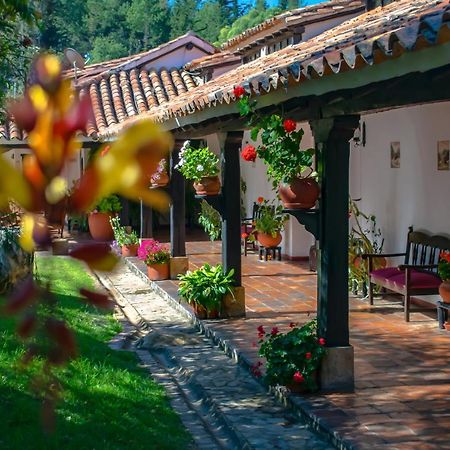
158	272
207	186
267	240
100	227
302	193
130	250
160	179
444	291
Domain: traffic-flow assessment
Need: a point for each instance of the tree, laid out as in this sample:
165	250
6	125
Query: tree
106	25
148	23
209	20
15	44
182	17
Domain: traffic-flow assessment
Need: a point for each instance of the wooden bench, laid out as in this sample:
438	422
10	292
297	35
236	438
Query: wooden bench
417	275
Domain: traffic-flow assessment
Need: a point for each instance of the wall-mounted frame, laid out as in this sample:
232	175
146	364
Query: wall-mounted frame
443	155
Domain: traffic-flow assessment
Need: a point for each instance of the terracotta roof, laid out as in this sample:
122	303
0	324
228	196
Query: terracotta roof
98	71
368	39
217	59
300	16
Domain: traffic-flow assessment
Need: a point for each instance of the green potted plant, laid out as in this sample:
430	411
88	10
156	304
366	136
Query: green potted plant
293	358
209	218
98	219
200	165
269	223
289	167
128	241
444	273
205	289
156	256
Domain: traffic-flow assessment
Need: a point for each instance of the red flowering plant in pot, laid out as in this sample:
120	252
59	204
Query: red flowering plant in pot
293	358
289	167
156	257
444	273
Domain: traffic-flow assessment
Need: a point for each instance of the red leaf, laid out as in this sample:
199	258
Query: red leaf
97	299
97	255
64	338
27	325
24	295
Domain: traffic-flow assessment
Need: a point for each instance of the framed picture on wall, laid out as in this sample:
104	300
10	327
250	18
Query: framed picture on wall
443	153
395	155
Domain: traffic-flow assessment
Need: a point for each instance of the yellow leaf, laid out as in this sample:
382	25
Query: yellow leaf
26	233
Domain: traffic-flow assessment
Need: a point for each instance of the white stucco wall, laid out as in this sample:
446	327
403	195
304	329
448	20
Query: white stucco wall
416	193
296	240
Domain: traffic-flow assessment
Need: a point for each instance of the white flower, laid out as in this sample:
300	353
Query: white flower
186	144
200	168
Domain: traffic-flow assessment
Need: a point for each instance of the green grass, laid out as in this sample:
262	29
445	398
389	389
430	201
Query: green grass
109	402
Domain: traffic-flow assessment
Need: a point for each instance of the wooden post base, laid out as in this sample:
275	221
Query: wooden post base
337	370
60	246
178	265
234	307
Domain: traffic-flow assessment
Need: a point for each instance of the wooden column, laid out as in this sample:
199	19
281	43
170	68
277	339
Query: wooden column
231	195
177	207
332	138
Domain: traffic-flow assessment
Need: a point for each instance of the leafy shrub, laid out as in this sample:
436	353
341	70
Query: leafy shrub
110	204
15	263
210	220
206	286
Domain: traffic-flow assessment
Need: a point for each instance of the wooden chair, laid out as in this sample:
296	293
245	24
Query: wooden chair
418	275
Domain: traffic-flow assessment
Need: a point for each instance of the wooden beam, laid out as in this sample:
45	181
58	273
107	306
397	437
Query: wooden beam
332	138
231	195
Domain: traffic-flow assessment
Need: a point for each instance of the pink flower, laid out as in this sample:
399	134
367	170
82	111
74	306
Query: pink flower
298	377
321	341
289	125
274	331
261	329
308	355
238	91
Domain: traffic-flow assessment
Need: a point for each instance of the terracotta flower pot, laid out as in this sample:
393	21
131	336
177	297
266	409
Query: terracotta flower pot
444	291
199	311
162	181
158	272
207	186
214	314
100	227
302	193
267	240
130	250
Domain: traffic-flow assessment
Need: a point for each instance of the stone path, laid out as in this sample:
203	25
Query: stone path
218	401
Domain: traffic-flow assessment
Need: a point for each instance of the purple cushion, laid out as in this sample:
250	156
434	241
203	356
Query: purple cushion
418	280
383	274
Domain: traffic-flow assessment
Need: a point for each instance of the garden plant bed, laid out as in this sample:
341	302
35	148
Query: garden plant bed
109	402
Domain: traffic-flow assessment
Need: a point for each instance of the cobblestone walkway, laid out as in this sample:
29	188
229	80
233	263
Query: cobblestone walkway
218	401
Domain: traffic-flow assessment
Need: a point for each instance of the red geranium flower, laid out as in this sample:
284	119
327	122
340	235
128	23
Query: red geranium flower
249	153
298	377
261	329
321	341
274	331
260	199
244	235
445	255
289	125
308	355
238	91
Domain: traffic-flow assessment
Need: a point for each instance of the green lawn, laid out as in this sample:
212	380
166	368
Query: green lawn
109	403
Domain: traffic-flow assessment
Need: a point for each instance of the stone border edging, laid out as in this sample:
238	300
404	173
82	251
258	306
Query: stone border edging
299	405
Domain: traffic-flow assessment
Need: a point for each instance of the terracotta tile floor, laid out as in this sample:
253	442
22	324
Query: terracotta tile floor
402	395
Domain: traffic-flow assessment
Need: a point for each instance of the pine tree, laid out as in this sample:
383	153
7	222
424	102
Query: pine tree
209	20
147	21
182	17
